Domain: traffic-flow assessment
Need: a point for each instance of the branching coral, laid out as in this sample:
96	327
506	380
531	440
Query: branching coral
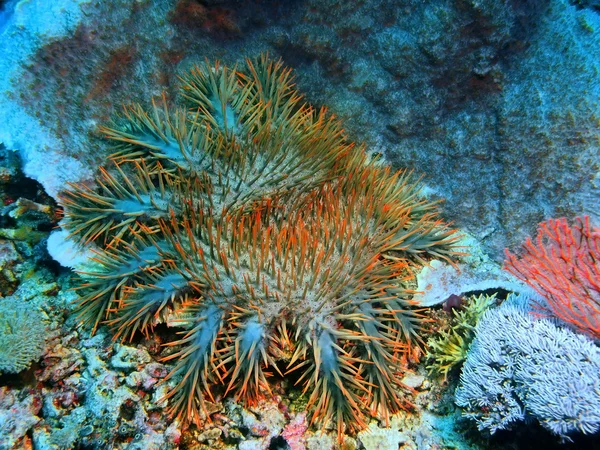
521	367
563	266
284	248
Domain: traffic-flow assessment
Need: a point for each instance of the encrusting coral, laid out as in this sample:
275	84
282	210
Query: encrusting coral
250	223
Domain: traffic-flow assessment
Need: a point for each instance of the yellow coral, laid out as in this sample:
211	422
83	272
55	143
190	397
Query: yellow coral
449	348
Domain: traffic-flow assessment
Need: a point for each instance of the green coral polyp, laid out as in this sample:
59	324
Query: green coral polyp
283	249
449	348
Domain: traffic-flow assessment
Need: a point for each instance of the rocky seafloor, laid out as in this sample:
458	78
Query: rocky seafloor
495	102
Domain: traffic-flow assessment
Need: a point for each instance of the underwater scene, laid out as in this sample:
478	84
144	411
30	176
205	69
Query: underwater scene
299	225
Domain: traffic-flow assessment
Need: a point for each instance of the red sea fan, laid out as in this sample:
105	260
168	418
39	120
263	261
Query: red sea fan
563	265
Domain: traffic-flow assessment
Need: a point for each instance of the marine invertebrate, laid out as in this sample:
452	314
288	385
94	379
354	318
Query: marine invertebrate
282	248
449	347
520	366
126	203
22	335
563	266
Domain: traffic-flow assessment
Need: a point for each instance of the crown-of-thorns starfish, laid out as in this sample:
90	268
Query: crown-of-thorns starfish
249	223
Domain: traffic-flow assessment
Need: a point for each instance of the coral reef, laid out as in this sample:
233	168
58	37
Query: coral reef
18	414
378	438
495	101
27	212
520	367
26	215
563	266
551	128
11	261
251	224
96	394
447	88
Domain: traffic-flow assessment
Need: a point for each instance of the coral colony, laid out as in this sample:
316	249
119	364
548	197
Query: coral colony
563	267
518	368
248	222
